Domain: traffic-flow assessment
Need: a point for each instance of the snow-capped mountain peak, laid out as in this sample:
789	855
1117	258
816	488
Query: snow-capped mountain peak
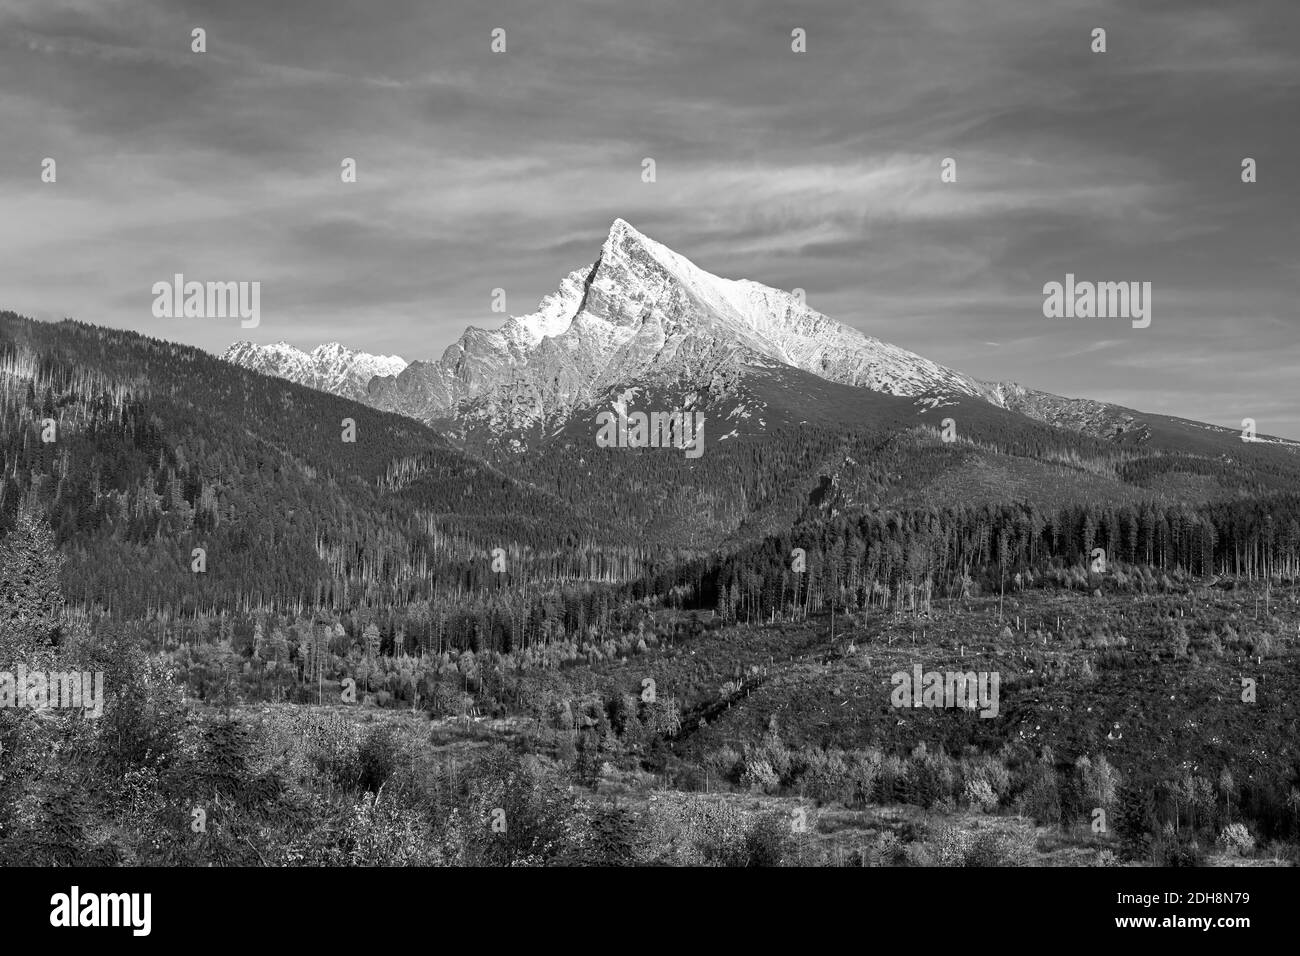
330	367
638	279
641	311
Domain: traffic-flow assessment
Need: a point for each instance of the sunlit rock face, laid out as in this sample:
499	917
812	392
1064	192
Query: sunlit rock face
644	313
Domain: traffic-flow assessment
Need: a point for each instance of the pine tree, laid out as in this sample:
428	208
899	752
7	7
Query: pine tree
31	596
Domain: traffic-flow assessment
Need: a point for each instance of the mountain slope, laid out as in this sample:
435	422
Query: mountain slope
158	449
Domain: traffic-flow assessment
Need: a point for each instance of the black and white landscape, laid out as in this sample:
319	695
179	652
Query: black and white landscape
689	565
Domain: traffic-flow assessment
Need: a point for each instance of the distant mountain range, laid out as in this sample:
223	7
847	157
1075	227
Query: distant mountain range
643	315
327	368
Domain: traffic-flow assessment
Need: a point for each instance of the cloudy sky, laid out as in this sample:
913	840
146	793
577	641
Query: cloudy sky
817	170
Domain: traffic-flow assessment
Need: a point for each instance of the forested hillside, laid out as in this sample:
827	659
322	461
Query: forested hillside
783	445
140	451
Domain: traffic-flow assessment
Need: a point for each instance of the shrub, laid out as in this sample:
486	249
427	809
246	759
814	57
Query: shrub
535	810
329	745
144	714
999	848
1235	838
381	833
776	755
768	840
980	796
759	775
919	854
611	837
949	846
1178	640
931	778
993	772
1171	849
376	758
694	831
826	776
889	849
725	764
864	773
